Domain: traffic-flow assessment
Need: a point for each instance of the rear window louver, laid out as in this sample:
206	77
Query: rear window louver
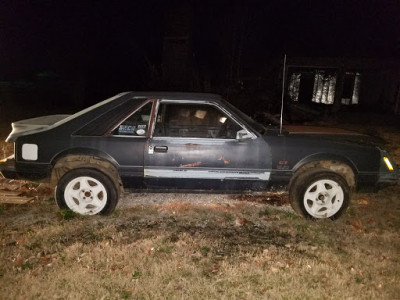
102	124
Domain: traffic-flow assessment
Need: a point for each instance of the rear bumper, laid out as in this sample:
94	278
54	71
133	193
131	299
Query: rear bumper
7	168
36	172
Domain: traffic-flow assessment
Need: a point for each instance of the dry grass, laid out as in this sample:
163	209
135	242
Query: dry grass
201	252
245	249
6	149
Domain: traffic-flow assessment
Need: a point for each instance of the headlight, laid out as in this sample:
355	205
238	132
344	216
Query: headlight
388	163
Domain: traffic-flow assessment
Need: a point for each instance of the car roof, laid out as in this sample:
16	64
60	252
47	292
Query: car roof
86	115
176	96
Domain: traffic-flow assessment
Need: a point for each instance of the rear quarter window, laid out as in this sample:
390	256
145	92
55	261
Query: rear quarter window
106	122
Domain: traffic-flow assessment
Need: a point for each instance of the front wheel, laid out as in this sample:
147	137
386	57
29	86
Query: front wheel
86	192
319	194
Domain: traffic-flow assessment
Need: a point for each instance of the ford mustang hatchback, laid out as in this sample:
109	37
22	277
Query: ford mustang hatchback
191	142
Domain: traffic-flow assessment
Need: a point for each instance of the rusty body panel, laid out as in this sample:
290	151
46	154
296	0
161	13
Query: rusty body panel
218	164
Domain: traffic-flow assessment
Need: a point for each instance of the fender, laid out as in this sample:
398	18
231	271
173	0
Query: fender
83	157
85	151
325	156
336	163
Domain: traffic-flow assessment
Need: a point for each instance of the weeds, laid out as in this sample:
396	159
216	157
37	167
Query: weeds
205	250
126	295
33	246
264	212
290	215
67	214
27	266
165	249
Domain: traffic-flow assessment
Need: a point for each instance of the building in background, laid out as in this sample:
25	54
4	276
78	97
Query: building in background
367	83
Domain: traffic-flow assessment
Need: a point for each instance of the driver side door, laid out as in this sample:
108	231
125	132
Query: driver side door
196	146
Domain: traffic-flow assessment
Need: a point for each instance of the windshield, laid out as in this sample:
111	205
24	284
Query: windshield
255	125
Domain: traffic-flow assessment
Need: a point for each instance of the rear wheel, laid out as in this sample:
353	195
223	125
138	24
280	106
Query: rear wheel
86	192
319	194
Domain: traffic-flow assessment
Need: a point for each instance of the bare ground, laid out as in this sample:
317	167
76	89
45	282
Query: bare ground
209	246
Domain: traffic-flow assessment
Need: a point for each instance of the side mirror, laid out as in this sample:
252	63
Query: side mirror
243	135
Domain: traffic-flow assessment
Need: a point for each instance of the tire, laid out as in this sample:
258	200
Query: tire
319	194
86	192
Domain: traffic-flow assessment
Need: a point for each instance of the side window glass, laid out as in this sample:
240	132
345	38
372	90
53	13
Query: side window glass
194	120
137	124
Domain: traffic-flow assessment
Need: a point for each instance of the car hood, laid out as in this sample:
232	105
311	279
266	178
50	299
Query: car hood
33	125
335	134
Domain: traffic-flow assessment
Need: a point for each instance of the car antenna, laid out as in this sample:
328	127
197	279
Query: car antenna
283	94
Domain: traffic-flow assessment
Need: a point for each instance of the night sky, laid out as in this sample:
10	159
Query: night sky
112	42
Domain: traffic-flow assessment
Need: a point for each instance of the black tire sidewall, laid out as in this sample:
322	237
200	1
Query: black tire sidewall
303	182
112	195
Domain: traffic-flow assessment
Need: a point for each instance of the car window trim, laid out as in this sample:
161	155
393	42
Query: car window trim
216	105
159	138
109	133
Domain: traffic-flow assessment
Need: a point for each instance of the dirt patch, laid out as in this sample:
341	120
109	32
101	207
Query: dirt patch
276	199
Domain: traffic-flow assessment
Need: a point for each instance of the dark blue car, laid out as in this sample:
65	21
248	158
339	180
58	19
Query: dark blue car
194	142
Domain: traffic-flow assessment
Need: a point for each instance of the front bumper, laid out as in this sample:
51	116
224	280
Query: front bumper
389	173
373	182
387	179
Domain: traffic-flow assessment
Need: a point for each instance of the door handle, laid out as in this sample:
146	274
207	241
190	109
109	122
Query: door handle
160	149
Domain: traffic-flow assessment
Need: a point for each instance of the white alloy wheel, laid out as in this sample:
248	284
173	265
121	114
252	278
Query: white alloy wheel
323	198
85	195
